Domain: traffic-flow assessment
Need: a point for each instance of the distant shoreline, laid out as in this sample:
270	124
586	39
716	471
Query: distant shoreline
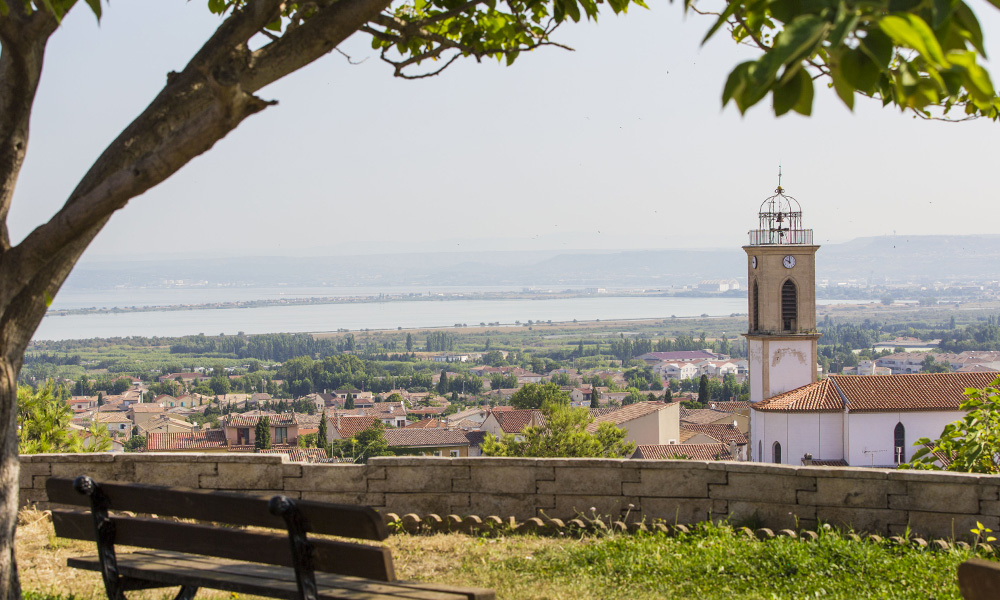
386	298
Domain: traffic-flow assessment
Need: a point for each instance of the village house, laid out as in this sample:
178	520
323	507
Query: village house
239	428
645	423
139	414
430	442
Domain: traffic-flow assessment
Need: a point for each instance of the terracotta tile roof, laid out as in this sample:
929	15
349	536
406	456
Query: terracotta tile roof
194	440
820	396
247	420
627	413
250	448
112	417
829	463
915	392
427	424
686	434
475	437
351	425
688	451
298	454
600	412
723	433
425	437
701	415
514	421
731	406
147	407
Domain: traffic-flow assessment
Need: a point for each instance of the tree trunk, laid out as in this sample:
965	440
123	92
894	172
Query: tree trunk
9	469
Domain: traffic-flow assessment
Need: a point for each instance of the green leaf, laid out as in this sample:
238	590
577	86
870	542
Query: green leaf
977	80
48	298
971	29
730	11
805	103
797	41
786	96
913	32
736	83
859	70
878	46
940	12
846	22
95	6
844	89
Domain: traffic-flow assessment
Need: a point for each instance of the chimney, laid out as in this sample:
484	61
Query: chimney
807	459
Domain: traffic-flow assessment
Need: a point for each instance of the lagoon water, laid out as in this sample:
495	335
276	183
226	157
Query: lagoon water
372	315
351	316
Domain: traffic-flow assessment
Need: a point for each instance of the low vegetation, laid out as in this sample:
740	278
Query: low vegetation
713	561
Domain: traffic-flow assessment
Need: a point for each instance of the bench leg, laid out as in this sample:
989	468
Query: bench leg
187	592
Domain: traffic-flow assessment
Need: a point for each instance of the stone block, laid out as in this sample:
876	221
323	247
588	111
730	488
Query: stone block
520	506
352	498
424	504
329	478
773	516
503	479
244	476
762	488
291	471
675	510
989	492
29	471
952	497
756	468
844	472
607	508
427	477
29	497
100	471
852	492
869	520
598	480
674	483
949	526
989	507
172	474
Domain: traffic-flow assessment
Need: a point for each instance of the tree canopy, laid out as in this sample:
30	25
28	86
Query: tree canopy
536	395
563	434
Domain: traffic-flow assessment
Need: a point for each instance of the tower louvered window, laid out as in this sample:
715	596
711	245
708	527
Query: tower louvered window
789	305
754	308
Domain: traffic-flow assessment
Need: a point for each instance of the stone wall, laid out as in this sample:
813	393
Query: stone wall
933	504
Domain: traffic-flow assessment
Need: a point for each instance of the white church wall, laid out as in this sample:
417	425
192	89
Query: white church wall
871	434
803	436
791	365
831	442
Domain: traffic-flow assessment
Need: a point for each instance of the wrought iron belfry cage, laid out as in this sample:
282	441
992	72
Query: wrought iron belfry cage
780	219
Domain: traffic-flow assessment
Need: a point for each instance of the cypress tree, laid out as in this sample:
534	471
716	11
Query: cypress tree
262	434
349	402
321	437
703	390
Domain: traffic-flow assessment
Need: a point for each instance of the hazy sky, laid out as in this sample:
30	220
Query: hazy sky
620	144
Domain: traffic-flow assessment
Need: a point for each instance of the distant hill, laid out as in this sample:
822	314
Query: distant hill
897	259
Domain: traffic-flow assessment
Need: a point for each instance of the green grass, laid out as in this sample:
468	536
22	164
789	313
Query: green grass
714	562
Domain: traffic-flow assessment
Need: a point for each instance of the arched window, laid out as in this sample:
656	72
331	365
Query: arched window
899	444
789	305
776	453
760	451
754	308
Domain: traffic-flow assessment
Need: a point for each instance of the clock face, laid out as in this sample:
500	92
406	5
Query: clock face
753	262
788	261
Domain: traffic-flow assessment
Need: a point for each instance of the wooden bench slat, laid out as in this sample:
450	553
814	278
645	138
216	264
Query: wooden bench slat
371	562
185	569
979	579
358	522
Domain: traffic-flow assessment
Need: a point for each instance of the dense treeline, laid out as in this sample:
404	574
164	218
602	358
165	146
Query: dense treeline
303	375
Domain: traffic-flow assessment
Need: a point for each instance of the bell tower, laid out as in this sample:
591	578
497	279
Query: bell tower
781	276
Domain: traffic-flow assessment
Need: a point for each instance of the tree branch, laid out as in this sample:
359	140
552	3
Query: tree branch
23	37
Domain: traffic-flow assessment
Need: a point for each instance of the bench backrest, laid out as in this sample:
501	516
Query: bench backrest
345	558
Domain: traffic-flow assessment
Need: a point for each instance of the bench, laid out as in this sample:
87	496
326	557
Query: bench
979	579
215	554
